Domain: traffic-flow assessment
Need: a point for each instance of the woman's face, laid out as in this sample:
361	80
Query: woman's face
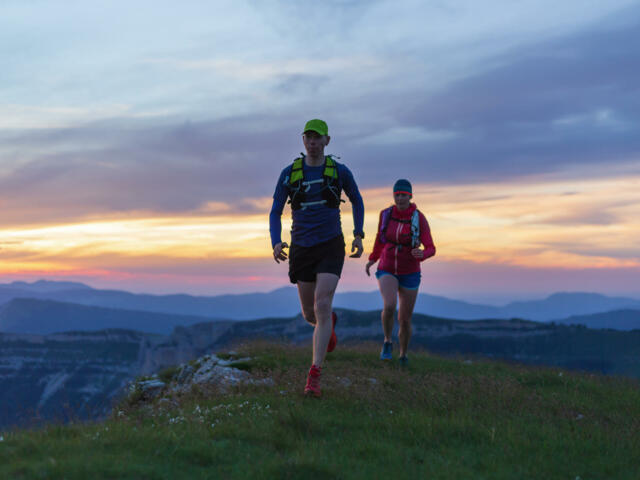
402	200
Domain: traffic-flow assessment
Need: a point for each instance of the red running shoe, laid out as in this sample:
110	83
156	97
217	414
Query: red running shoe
312	389
333	341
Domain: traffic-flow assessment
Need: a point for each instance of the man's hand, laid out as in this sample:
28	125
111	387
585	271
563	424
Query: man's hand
417	253
368	266
278	253
356	245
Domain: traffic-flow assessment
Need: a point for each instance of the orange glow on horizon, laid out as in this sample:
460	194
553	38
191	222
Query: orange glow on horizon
569	224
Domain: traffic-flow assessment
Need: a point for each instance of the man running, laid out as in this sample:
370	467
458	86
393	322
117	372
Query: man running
313	184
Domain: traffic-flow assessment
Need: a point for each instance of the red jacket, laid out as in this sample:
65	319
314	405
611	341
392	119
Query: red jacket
395	255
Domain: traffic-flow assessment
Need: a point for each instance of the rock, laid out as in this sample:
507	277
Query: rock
207	370
185	372
345	382
151	384
226	363
150	388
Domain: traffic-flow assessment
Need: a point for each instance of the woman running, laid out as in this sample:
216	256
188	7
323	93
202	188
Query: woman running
401	230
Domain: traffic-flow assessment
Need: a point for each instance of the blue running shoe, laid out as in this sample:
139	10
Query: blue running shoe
404	361
385	354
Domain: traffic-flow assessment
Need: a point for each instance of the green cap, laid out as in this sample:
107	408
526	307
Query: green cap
316	125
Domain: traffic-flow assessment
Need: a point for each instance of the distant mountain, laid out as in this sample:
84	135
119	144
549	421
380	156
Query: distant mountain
560	305
246	306
284	302
28	315
616	320
39	289
427	304
47	286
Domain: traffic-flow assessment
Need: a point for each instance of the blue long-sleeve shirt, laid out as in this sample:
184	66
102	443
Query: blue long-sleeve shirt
316	223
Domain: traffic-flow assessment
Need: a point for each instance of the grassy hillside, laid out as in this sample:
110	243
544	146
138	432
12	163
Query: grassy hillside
441	418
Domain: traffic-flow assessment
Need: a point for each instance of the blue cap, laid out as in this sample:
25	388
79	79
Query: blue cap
402	186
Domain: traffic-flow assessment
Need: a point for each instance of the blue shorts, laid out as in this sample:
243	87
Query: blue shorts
410	281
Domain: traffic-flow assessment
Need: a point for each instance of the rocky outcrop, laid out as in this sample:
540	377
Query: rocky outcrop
209	370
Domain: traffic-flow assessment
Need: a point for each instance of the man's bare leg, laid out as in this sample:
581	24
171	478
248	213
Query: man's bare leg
326	284
307	292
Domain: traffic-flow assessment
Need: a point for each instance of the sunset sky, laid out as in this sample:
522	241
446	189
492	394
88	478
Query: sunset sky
140	142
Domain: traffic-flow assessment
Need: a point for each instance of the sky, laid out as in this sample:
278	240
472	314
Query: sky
140	142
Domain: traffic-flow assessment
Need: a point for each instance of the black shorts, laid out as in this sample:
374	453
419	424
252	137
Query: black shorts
306	262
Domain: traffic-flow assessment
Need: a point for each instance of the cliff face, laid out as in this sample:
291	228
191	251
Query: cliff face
184	344
64	376
77	375
187	343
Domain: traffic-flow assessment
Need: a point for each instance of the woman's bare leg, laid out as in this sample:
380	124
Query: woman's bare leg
405	311
389	290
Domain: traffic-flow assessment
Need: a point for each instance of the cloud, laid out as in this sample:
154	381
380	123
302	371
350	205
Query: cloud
107	167
570	100
131	155
535	109
597	217
406	135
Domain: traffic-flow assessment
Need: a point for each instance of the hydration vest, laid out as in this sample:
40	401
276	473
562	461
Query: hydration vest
415	227
298	187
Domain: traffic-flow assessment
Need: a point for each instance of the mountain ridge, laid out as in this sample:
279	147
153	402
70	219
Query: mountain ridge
284	301
624	319
44	317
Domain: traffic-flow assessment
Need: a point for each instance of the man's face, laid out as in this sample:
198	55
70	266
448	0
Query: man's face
314	143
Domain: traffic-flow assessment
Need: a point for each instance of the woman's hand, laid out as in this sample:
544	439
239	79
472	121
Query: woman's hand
368	266
417	253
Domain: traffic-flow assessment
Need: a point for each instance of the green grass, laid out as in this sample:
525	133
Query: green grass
167	374
442	418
